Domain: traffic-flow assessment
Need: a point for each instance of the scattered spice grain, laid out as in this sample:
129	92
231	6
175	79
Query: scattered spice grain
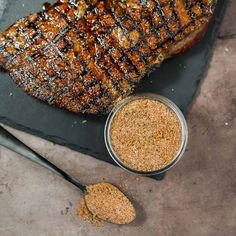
104	201
146	135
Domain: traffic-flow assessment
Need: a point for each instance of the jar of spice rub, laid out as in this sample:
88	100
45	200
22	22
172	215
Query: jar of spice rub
146	134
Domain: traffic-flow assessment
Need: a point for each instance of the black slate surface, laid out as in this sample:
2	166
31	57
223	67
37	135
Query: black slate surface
177	79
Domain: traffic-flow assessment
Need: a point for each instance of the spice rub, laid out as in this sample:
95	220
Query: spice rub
104	201
85	215
146	135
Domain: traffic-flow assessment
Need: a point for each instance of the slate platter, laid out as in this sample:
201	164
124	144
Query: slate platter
177	79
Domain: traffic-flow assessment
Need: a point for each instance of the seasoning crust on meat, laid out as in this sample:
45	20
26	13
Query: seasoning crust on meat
85	56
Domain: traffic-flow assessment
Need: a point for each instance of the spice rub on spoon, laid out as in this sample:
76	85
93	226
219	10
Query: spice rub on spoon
103	201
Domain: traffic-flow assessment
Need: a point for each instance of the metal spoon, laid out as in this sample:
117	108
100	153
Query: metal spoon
11	142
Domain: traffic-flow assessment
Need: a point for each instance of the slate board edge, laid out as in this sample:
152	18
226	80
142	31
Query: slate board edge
51	138
86	151
222	9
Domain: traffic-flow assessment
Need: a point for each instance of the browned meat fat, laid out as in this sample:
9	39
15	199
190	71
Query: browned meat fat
85	56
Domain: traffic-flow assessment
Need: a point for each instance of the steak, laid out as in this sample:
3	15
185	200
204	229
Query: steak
86	55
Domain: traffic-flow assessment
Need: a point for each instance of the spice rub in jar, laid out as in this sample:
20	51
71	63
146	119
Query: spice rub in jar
146	135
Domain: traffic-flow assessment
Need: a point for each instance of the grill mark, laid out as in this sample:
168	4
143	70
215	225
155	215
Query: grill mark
107	52
109	88
162	14
56	69
21	72
57	73
180	30
190	12
154	27
50	43
127	36
189	7
67	47
35	56
108	72
30	60
32	25
73	3
61	34
11	57
3	47
5	44
187	4
174	11
92	99
25	36
203	8
119	22
95	68
20	51
16	47
143	36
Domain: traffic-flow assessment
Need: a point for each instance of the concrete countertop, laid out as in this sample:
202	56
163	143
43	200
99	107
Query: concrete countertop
197	196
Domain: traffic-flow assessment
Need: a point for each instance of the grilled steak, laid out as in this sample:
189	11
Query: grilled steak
87	55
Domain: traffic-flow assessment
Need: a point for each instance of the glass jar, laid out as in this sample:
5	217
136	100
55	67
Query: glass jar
167	103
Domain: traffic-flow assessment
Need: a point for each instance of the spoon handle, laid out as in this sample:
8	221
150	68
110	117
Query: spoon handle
11	142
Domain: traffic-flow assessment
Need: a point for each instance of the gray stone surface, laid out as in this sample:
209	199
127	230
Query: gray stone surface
197	197
228	27
3	4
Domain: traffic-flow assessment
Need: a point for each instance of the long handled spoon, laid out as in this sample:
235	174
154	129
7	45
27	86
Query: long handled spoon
11	142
